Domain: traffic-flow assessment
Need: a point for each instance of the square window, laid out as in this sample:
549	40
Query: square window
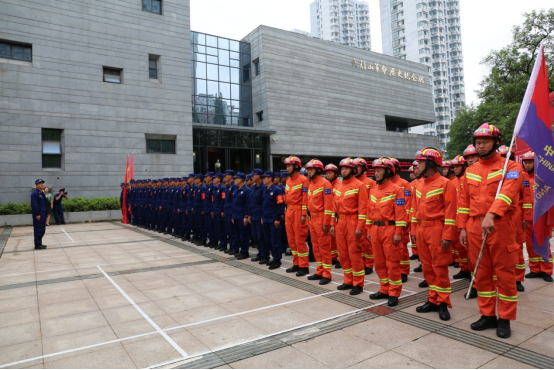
152	6
112	75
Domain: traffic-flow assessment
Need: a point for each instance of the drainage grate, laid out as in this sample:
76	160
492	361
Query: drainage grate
530	358
4	236
416	321
476	340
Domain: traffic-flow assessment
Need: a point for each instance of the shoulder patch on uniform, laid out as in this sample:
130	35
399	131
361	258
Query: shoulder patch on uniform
526	184
407	193
400	202
304	190
512	175
328	191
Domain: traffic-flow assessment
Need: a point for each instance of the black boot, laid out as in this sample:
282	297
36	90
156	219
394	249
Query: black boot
427	307
303	271
485	322
423	284
315	277
546	277
404	278
344	286
274	265
472	294
503	330
294	268
520	287
338	265
393	301
256	259
378	295
356	290
418	269
324	281
414	257
533	275
368	270
462	275
444	315
263	261
241	256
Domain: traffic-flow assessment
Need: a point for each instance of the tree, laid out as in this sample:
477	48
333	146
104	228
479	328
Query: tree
502	91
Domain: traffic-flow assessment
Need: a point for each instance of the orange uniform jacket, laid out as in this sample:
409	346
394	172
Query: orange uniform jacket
351	199
320	199
435	199
296	192
387	203
479	187
407	188
369	183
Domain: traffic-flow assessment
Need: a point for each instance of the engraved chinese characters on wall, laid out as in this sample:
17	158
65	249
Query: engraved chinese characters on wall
387	71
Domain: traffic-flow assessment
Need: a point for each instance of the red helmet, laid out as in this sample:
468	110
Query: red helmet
315	163
361	162
347	162
431	154
384	162
470	150
415	163
293	160
411	169
331	167
488	130
503	150
458	160
395	161
445	164
527	156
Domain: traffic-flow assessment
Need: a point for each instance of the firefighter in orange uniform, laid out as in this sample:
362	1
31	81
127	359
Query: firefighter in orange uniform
538	267
458	166
470	155
296	195
486	210
320	205
435	214
405	186
413	183
386	221
332	175
350	213
367	254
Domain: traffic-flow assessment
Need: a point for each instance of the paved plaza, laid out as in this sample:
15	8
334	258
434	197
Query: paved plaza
105	295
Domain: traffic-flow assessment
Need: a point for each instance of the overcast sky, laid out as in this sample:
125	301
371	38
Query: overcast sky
486	24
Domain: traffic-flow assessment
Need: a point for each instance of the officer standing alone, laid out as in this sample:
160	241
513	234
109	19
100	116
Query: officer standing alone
38	206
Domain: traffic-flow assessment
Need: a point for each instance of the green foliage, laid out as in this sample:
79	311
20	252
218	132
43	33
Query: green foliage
502	91
69	205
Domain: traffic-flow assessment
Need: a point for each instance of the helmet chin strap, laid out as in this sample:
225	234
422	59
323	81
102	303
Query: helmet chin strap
422	173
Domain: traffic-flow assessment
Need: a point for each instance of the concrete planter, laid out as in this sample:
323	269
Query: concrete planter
70	217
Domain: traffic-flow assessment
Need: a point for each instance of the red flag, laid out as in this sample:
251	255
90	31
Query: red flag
124	207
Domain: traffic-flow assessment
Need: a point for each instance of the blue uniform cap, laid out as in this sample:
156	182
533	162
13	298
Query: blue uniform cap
38	181
122	184
249	176
240	175
172	179
211	174
269	174
199	176
277	175
218	174
230	172
257	171
192	175
165	179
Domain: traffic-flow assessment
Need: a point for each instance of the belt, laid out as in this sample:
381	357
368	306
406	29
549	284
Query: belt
316	215
294	206
431	223
384	223
505	217
348	217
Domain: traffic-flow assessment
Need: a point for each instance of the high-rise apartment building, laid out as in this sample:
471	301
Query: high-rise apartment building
341	21
428	32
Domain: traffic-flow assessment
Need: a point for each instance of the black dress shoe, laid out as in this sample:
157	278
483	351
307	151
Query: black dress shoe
485	322
40	247
379	295
503	330
241	256
302	271
274	265
533	275
462	275
44	245
423	284
324	281
457	265
418	269
338	265
269	262
315	277
414	257
344	286
404	278
444	315
368	270
427	307
263	261
393	301
472	294
520	287
294	268
256	259
356	290
547	278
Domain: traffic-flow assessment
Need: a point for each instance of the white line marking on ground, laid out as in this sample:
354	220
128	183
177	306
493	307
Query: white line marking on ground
332	282
158	329
68	235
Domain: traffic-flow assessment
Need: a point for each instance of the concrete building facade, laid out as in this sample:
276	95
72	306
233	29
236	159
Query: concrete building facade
84	84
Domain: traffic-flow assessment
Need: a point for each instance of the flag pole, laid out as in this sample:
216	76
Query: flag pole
486	235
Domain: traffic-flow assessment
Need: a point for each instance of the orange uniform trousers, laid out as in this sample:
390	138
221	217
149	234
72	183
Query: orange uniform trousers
517	219
334	249
387	259
297	235
350	251
499	260
405	261
435	262
367	254
536	263
321	245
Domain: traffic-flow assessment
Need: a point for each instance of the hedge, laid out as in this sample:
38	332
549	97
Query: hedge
69	205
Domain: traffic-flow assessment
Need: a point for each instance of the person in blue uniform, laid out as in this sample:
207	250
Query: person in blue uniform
207	209
255	216
218	195
121	197
240	215
273	211
199	196
191	191
228	213
38	207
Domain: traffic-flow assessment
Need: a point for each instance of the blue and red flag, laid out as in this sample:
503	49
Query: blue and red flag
534	127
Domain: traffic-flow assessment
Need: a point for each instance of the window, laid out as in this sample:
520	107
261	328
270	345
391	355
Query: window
51	148
159	146
11	50
256	67
112	75
153	66
260	116
152	6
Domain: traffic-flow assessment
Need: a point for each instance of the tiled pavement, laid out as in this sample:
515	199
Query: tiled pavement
166	303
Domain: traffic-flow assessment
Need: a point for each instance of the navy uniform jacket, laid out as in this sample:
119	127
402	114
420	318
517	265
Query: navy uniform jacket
199	196
148	196
228	207
256	201
38	202
219	199
191	190
208	199
121	199
170	196
159	196
274	204
241	198
182	199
